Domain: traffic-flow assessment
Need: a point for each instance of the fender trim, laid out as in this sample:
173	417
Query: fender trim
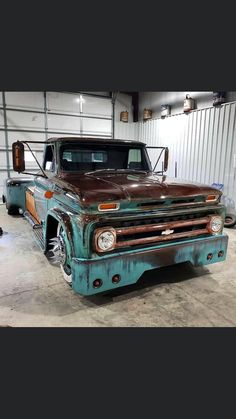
65	220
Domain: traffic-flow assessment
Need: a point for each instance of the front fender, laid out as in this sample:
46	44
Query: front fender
67	223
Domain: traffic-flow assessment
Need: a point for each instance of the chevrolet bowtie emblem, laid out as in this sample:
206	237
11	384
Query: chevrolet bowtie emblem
167	232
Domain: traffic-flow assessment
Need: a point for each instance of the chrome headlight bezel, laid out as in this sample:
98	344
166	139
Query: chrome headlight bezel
107	235
216	224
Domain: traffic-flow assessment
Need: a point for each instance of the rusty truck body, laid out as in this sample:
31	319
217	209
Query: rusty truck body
100	210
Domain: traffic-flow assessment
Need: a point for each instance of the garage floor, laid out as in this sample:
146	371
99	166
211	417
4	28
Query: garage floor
33	292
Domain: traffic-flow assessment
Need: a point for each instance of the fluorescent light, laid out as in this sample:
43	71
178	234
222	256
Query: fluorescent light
80	99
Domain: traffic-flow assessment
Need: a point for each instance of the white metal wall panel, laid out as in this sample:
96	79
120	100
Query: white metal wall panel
63	102
1	118
25	120
79	125
126	130
29	163
96	106
26	136
28	112
63	123
93	115
100	127
25	100
3	177
14	136
202	143
3	158
76	104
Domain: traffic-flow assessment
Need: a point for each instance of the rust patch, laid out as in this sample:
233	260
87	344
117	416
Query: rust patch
101	187
30	204
69	230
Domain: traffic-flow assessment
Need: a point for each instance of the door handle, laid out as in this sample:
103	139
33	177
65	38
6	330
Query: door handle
56	189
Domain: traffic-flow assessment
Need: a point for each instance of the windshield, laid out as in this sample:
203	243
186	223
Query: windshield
82	157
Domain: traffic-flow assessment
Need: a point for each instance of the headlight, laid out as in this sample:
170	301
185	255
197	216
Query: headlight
215	224
105	240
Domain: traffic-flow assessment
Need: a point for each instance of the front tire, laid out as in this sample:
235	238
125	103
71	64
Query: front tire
65	267
12	210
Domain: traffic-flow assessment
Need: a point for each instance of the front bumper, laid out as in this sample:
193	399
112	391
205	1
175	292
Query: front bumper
132	264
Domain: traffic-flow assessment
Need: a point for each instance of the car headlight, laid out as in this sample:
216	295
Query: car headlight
105	240
216	224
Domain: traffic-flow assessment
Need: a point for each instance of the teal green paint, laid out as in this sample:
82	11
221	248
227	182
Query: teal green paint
87	266
80	243
130	266
15	194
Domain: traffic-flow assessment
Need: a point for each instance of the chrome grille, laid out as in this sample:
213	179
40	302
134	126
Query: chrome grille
140	232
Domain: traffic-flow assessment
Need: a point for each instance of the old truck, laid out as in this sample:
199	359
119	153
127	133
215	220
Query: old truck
101	212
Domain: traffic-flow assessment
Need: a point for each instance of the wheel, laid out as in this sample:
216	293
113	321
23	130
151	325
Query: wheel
12	210
65	268
60	254
230	220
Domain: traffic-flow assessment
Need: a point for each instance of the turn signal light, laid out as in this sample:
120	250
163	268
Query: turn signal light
48	194
212	198
108	207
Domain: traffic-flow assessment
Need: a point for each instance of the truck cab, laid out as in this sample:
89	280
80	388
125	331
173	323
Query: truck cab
102	212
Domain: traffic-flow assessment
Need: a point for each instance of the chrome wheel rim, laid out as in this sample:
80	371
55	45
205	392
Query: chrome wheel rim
58	250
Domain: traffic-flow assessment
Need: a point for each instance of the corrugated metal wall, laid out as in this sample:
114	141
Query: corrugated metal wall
202	144
124	130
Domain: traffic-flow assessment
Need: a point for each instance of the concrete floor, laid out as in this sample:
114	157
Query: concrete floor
33	292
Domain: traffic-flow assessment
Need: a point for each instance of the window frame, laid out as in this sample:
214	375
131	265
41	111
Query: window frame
53	148
144	154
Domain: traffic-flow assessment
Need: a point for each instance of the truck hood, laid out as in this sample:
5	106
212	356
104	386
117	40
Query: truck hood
103	187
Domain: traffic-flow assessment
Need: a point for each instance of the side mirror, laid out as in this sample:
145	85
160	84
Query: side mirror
18	156
166	159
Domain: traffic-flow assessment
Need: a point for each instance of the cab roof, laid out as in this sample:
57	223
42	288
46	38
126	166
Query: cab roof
94	140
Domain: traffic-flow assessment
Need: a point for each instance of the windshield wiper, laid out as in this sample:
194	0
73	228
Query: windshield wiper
98	170
132	170
116	170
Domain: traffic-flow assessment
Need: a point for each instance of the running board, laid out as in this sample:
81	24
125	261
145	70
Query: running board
31	220
37	228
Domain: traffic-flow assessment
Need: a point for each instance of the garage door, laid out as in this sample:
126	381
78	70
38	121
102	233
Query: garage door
41	115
